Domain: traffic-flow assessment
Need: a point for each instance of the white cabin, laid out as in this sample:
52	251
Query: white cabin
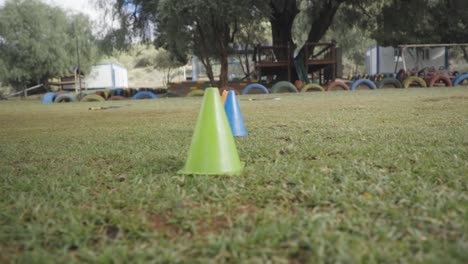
391	60
107	76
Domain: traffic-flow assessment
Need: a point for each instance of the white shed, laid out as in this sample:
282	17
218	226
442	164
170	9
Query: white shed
391	60
107	76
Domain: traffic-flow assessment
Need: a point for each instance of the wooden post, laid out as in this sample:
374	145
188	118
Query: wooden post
289	62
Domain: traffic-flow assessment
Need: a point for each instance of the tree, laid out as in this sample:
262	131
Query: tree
353	41
397	22
37	41
208	27
165	62
192	27
250	35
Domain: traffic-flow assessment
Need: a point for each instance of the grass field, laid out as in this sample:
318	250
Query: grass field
339	177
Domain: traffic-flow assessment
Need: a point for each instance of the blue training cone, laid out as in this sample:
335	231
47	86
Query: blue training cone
234	115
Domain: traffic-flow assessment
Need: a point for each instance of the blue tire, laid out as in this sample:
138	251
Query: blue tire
144	95
255	86
459	79
49	97
366	82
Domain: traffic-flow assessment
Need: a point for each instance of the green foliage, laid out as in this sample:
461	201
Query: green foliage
399	22
353	40
37	40
165	62
342	177
201	27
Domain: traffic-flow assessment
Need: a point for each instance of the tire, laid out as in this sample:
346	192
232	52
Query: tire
197	92
117	91
365	82
80	96
49	97
101	93
66	98
331	86
390	81
459	79
283	84
401	75
117	98
413	79
446	80
251	86
158	91
92	98
129	92
312	86
170	95
144	95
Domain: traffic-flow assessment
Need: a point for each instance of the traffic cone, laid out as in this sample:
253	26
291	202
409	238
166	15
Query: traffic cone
234	115
224	95
213	150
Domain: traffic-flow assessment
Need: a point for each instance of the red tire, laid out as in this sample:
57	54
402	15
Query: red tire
434	80
331	86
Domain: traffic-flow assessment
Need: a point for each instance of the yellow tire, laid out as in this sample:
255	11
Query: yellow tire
413	79
197	92
312	87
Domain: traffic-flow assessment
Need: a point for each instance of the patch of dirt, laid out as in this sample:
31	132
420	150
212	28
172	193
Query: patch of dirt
247	209
112	231
212	225
160	223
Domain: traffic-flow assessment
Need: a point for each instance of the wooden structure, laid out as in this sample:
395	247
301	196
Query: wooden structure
320	61
73	81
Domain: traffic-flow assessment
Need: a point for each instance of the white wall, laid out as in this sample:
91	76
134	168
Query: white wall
414	58
107	76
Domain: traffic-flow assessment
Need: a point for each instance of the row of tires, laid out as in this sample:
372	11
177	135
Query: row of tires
385	82
99	96
124	94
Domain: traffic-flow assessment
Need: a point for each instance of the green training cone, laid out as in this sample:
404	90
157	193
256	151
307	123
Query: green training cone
213	150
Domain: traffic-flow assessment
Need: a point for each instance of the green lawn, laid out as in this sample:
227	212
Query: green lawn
348	177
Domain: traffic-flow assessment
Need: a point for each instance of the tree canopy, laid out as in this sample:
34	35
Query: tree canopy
206	28
35	45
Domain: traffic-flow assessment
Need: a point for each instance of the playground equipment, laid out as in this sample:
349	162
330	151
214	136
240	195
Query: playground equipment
320	61
213	149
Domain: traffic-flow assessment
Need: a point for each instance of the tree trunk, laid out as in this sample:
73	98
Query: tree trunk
322	22
223	75
283	14
223	40
209	70
204	57
281	19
